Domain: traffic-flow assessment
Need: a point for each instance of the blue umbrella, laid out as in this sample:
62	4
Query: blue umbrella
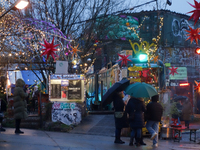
138	90
117	87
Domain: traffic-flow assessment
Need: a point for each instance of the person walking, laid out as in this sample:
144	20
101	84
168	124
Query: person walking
120	116
154	113
187	112
20	110
135	109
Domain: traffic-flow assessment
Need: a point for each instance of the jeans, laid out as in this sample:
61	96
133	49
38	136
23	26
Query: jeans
136	131
153	127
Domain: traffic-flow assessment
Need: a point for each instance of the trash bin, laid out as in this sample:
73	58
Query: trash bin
166	132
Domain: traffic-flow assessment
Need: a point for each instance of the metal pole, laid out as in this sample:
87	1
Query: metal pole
101	95
40	109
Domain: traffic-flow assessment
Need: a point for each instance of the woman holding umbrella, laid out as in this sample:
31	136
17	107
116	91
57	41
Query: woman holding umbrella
115	95
120	116
136	108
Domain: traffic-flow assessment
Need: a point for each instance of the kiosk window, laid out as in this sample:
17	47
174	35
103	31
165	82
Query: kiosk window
55	90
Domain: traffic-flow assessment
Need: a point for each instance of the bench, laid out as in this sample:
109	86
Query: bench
177	131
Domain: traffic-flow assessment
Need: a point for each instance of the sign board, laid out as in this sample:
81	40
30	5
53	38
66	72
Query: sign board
67	113
61	67
172	83
126	52
180	75
134	74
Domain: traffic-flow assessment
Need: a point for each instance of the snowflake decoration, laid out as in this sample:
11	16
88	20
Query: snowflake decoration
173	71
124	59
193	35
196	12
49	49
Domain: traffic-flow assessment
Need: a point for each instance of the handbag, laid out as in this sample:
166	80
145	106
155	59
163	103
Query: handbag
119	114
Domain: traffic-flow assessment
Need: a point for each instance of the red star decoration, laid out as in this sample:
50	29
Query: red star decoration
49	49
173	71
196	12
197	87
193	35
124	59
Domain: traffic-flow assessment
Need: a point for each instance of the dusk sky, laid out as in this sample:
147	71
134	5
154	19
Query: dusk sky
179	6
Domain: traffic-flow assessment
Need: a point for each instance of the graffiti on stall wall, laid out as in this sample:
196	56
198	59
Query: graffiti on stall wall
67	113
179	27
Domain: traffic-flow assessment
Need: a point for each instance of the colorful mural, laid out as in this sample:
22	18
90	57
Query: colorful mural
67	113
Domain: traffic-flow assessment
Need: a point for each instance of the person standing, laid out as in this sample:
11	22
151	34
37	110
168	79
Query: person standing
34	99
120	116
186	112
135	109
26	90
154	113
20	110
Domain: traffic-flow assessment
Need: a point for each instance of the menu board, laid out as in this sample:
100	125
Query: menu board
74	89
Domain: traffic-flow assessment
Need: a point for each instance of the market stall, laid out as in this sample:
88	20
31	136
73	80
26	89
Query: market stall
67	92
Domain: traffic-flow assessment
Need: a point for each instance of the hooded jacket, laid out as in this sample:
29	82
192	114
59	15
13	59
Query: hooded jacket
20	109
137	107
154	110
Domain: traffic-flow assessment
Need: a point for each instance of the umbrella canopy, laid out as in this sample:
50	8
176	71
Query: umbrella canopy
117	87
180	98
141	90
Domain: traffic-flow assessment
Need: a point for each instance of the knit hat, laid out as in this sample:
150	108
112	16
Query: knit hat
155	98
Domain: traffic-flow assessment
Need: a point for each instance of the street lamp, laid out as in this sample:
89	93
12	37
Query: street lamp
19	4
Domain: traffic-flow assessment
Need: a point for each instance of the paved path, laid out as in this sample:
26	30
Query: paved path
96	132
42	140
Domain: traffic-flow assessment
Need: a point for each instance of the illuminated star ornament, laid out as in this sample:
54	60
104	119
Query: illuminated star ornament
193	35
49	49
155	59
75	50
197	87
173	71
196	12
124	59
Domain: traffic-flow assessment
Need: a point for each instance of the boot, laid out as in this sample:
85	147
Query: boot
17	126
118	140
137	141
142	142
19	132
131	141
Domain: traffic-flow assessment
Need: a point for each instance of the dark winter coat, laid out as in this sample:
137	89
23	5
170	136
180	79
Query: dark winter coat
20	109
137	107
154	111
119	105
186	110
